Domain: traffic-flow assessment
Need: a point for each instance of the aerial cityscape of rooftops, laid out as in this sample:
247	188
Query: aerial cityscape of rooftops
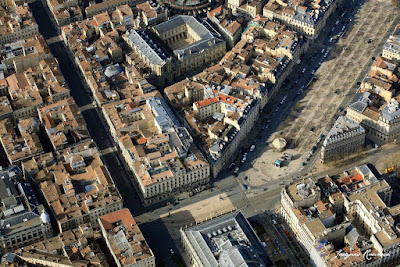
200	133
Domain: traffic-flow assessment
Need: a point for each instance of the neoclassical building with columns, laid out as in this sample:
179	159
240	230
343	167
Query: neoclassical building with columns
176	46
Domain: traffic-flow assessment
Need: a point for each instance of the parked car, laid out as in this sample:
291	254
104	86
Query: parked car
245	187
252	147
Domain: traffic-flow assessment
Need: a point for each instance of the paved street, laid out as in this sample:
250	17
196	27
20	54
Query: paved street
302	107
154	232
252	200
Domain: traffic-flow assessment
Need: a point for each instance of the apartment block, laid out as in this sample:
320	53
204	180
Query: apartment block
345	219
219	118
16	22
24	219
391	49
63	123
20	141
222	20
380	120
100	60
249	9
174	47
306	17
346	137
187	7
376	105
76	185
65	11
109	6
34	87
5	108
227	240
152	15
26	53
125	240
77	247
273	47
156	147
221	104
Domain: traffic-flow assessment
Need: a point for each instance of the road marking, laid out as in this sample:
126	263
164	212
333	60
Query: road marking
86	107
54	39
108	150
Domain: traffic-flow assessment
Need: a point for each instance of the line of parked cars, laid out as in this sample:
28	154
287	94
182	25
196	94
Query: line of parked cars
235	167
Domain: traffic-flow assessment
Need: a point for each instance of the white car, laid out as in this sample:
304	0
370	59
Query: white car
252	148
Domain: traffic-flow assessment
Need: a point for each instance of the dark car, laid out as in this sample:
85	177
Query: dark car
245	186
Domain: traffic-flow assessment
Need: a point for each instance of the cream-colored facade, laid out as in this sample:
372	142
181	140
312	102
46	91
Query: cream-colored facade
197	100
18	22
68	168
65	11
308	21
63	123
345	137
109	6
26	54
118	228
250	9
24	219
191	42
354	201
231	30
35	86
382	125
62	250
158	151
391	49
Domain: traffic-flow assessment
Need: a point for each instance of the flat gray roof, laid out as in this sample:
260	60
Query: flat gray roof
147	47
228	240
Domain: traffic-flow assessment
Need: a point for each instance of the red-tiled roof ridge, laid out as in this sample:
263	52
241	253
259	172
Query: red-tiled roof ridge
123	215
217	10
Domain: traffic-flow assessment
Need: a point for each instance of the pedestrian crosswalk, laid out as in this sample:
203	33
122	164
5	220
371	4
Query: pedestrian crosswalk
54	39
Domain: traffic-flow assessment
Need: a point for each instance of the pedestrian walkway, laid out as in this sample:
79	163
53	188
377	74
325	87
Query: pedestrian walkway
108	150
86	107
54	39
